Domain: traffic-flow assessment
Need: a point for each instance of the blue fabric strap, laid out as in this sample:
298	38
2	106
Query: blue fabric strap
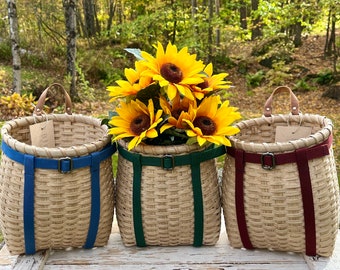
95	201
64	165
29	204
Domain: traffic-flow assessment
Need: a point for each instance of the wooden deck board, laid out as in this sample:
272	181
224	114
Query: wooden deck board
116	256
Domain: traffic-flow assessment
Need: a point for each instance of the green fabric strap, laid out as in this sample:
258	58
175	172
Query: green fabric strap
168	162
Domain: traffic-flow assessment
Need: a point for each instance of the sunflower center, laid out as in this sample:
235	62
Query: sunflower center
176	113
171	73
140	124
207	125
203	85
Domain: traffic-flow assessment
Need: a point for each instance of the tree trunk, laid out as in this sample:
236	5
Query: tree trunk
210	30
89	18
331	42
14	36
120	14
193	8
174	14
111	14
71	38
325	50
195	28
80	22
256	22
243	14
218	31
298	34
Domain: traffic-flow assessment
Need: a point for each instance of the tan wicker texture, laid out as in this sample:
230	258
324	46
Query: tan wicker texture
167	200
62	201
272	198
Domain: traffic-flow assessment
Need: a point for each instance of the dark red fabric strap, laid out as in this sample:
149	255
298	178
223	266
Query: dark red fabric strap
316	151
239	199
300	157
307	202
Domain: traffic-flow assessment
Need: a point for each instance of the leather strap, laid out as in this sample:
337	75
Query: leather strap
301	158
65	165
41	101
294	103
169	162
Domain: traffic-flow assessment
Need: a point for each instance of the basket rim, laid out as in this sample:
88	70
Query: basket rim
292	145
148	149
55	152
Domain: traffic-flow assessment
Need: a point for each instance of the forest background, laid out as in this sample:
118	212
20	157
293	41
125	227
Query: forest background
261	44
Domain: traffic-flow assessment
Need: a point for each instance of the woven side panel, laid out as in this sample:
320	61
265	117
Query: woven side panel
167	204
62	206
273	205
106	202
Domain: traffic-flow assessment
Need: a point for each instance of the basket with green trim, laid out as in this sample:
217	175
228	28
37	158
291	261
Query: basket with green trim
168	195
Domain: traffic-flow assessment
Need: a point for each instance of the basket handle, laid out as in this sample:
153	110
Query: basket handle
41	101
294	102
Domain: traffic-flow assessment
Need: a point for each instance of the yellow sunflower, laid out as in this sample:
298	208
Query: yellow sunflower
211	83
136	120
213	123
174	70
134	83
178	110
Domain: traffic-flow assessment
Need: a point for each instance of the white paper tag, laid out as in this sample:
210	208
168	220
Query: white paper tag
290	133
42	134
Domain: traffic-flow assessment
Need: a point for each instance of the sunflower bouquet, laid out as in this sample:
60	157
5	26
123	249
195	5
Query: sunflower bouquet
171	98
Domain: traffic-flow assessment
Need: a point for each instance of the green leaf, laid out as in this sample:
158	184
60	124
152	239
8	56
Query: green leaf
135	52
192	140
150	92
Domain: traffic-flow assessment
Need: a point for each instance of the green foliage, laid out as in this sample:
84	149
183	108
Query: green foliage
278	17
274	49
110	67
16	105
302	85
32	59
326	77
279	74
255	79
5	51
86	92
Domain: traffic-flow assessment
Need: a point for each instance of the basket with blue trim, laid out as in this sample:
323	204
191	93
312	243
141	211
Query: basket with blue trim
56	197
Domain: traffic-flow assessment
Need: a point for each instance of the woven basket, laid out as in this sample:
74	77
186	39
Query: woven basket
270	198
69	206
162	206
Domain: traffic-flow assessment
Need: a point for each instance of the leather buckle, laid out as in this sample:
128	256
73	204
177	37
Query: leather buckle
264	158
168	162
65	160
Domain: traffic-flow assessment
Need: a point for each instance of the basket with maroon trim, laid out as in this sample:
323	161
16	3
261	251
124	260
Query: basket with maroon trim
280	187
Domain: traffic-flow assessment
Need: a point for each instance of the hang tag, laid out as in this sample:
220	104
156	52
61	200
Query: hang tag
290	133
42	134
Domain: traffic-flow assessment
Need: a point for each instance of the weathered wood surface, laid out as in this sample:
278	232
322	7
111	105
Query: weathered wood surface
116	256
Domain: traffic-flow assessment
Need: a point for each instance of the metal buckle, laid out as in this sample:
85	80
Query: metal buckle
265	166
70	168
163	162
